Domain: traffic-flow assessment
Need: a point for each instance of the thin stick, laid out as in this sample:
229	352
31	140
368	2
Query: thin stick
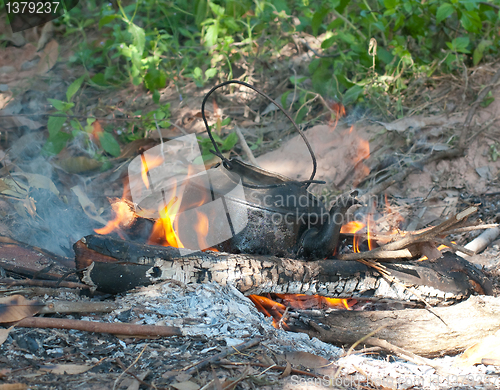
129	367
78	307
410	356
42	283
472	228
374	254
273	367
100	327
245	146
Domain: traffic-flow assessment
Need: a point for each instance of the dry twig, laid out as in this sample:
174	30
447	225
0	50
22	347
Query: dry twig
100	327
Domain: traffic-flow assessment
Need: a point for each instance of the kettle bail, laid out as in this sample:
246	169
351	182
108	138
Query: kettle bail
218	153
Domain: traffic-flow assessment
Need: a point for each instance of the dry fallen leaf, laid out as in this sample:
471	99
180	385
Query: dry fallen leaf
38	181
48	58
79	164
4	333
16	307
14	122
287	371
306	359
13	386
47	33
419	122
87	205
188	385
65	369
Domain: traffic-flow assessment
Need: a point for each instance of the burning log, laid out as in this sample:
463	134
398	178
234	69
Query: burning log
445	330
112	265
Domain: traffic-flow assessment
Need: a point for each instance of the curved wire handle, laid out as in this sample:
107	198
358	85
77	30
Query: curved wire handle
217	151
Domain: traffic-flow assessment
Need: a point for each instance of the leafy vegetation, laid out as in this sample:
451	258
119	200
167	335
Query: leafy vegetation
371	51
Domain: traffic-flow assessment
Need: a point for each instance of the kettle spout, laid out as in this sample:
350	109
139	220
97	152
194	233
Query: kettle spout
318	244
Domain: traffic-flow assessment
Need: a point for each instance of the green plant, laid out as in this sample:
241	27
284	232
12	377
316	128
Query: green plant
58	138
225	144
494	152
413	38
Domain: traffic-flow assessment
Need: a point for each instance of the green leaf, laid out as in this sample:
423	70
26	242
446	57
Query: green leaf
200	11
156	96
209	73
107	19
212	34
335	24
217	9
284	97
229	142
109	144
99	79
352	94
346	37
390	3
379	25
297	80
443	12
74	87
155	79
470	4
216	137
139	37
317	19
477	55
197	72
459	44
60	105
55	144
55	124
471	21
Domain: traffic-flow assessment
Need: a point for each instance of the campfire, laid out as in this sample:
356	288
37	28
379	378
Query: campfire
213	232
332	269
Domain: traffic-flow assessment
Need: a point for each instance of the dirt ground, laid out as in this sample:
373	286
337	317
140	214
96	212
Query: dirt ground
59	203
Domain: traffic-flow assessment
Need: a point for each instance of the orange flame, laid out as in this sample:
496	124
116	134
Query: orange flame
339	111
146	166
201	229
362	153
124	216
163	231
353	227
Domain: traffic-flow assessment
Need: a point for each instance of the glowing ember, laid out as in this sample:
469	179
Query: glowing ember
271	308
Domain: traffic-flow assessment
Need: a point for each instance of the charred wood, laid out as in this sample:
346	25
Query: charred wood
111	265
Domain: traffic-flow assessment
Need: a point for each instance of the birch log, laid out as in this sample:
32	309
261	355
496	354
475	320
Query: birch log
112	265
444	331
